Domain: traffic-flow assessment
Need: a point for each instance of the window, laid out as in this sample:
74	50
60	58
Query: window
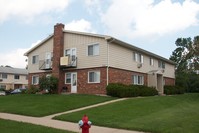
151	61
67	78
67	52
3	87
161	64
26	77
138	80
138	57
16	76
94	77
4	76
35	59
72	53
93	50
35	80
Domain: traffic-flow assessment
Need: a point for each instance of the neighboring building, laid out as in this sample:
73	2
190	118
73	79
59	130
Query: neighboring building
87	63
13	78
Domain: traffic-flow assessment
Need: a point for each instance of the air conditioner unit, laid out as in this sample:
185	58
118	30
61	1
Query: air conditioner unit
1	79
139	65
64	61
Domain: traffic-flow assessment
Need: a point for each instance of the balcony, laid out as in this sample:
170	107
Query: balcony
45	64
68	61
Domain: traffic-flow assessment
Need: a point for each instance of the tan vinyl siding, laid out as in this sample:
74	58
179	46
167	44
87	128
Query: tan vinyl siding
121	57
10	81
41	51
81	42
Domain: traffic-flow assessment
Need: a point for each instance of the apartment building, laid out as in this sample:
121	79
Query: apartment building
13	78
87	63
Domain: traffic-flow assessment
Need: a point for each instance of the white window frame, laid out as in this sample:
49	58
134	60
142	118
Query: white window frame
137	57
36	61
69	77
161	64
37	79
3	86
69	52
151	62
96	77
95	51
138	79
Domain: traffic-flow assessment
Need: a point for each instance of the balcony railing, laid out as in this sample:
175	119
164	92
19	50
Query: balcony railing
68	61
45	64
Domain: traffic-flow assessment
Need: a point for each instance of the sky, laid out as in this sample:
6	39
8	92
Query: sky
153	25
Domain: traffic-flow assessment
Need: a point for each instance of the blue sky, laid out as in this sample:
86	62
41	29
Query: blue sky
153	25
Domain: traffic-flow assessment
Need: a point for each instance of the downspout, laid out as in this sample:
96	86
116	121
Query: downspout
108	41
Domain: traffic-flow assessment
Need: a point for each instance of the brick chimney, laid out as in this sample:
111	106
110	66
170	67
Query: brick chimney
58	49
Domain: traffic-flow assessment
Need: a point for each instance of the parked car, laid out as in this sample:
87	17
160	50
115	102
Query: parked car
18	91
2	93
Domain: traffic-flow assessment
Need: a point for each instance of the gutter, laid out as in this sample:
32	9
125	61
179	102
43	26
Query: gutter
109	40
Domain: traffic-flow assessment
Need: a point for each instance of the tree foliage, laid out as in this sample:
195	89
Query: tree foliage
48	83
186	55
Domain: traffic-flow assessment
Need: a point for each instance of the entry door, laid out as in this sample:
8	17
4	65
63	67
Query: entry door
48	60
73	82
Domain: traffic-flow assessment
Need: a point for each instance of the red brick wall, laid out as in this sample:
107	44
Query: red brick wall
58	46
89	88
36	74
123	76
169	81
115	76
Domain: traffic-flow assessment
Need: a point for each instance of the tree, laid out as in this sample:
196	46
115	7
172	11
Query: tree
48	83
186	56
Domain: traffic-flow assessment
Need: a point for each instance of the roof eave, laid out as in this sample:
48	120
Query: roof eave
39	44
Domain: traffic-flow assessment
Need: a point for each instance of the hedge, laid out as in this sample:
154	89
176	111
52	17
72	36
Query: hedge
171	90
121	90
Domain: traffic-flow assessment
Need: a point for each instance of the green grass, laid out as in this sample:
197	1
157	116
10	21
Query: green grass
165	114
8	126
42	105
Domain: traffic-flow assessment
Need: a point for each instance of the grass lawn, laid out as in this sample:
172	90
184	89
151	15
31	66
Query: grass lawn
158	114
42	105
8	126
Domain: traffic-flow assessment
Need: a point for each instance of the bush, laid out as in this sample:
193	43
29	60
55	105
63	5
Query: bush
32	90
121	90
171	90
48	83
147	91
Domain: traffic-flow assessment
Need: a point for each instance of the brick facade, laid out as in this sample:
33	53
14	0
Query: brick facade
123	76
169	81
58	47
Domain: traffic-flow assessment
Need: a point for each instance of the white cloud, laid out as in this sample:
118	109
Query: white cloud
79	25
146	18
93	5
16	58
29	9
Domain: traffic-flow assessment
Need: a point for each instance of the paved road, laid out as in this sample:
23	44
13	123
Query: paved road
47	121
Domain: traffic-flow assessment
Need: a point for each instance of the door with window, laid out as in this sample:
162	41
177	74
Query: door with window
73	82
48	60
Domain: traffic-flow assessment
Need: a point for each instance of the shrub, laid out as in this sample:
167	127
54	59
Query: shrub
171	90
147	91
48	83
121	90
32	90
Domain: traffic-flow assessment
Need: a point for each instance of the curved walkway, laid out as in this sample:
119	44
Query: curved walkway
49	122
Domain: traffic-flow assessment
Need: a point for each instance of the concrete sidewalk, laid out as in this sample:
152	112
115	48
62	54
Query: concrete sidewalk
83	108
47	121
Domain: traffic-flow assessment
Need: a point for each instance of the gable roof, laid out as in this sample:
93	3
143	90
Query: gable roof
11	70
109	39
